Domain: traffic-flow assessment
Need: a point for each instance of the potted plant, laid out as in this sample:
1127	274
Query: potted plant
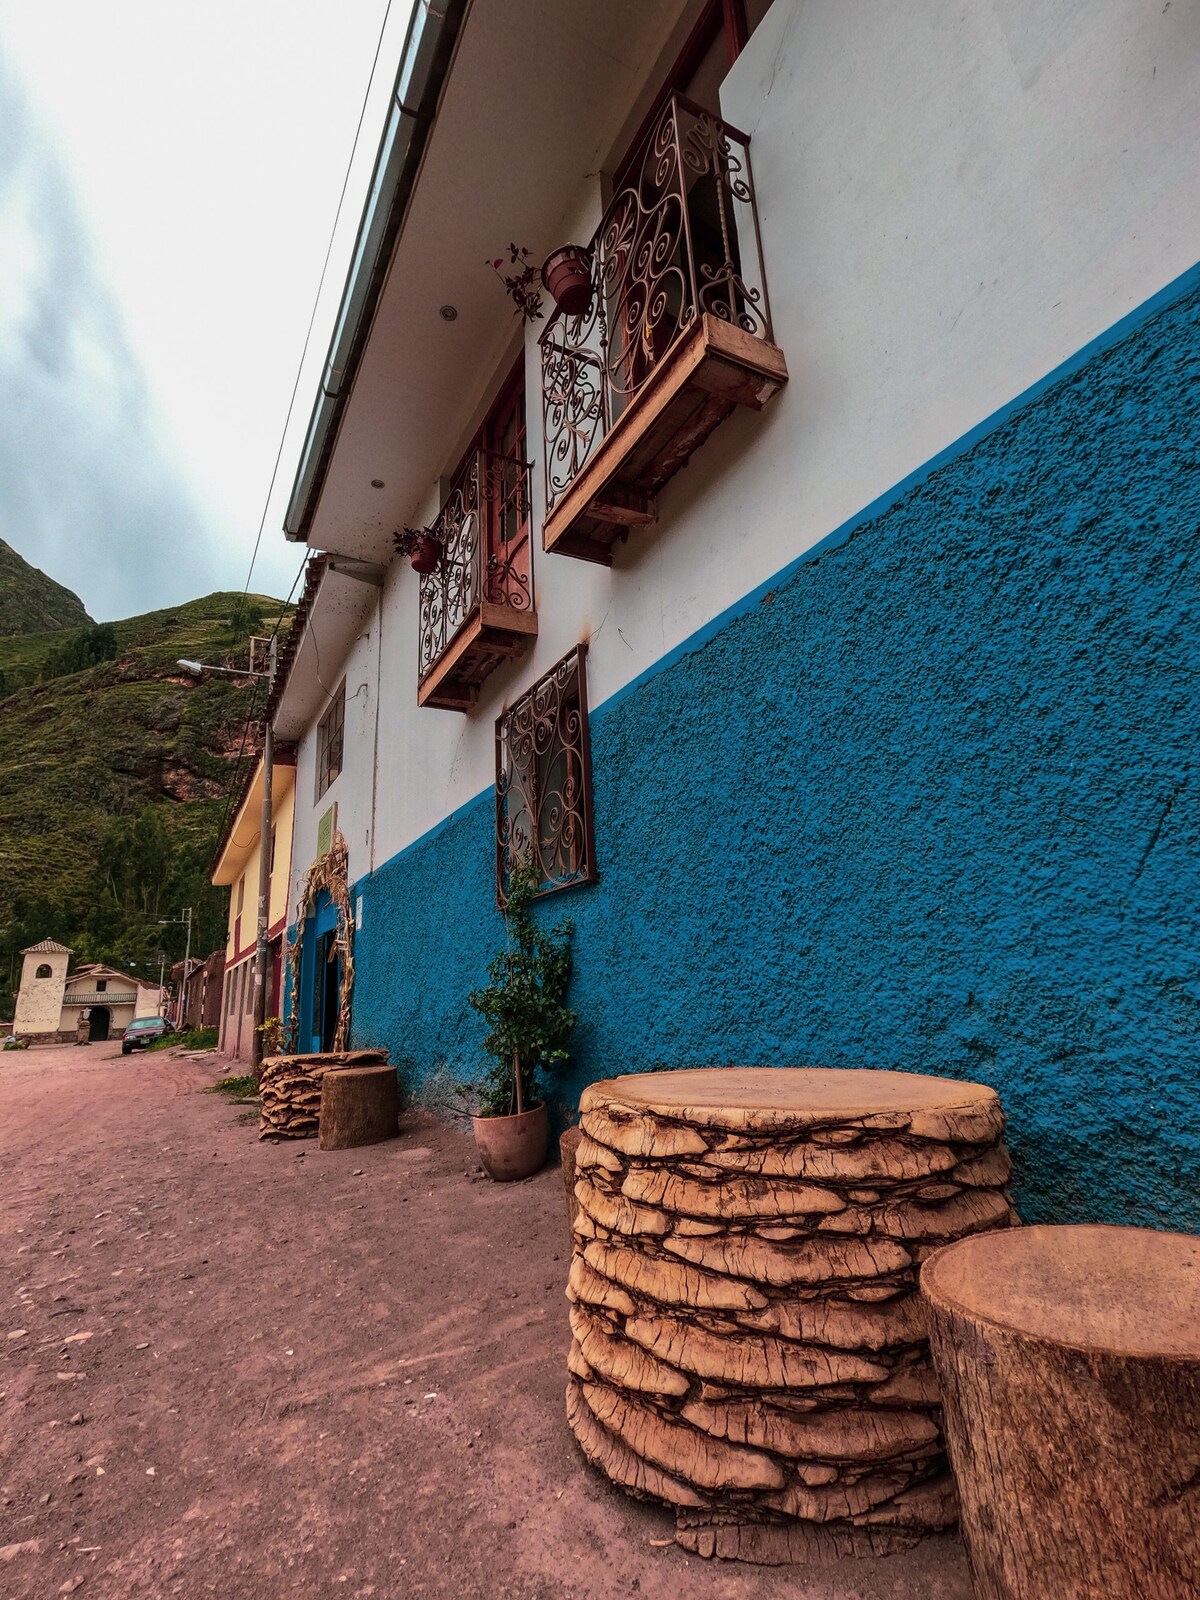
523	284
420	546
567	275
524	1005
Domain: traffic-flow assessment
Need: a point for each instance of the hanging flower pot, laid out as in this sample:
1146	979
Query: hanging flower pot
420	546
567	275
426	553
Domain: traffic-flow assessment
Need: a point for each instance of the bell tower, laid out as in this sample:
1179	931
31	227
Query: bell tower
40	997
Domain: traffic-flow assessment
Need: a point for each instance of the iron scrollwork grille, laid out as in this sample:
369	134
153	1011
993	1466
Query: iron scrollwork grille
483	530
544	781
679	239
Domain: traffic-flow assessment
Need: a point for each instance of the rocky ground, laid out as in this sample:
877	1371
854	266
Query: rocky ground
259	1370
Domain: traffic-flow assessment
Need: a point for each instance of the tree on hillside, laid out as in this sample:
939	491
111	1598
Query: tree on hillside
245	619
87	648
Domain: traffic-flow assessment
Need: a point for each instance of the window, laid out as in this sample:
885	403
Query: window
271	868
101	985
544	781
44	971
330	741
241	893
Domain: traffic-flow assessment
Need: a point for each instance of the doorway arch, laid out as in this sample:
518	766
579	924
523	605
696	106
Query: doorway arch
98	1024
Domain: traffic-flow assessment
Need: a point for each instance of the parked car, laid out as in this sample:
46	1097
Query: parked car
143	1031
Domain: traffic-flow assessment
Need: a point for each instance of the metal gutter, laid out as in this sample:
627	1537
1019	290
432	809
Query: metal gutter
424	65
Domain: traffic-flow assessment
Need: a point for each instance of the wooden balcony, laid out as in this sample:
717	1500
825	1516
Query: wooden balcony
676	336
477	605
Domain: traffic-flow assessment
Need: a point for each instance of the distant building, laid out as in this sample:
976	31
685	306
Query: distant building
235	866
198	1003
50	1001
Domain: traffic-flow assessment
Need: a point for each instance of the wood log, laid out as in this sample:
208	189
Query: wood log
852	1433
617	1461
754	1362
811	1261
568	1155
745	1324
670	1282
621	1363
735	1197
1069	1358
682	1451
359	1105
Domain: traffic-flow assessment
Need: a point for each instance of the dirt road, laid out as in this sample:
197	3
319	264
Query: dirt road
263	1370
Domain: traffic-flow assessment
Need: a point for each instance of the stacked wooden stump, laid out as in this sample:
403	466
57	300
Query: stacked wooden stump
749	1345
290	1088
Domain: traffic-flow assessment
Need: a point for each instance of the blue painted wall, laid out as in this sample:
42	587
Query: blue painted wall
928	803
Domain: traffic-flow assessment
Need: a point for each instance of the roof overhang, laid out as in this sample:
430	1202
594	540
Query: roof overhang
336	615
525	112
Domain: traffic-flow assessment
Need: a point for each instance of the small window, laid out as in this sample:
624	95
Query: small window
44	971
330	741
544	781
271	868
241	893
101	985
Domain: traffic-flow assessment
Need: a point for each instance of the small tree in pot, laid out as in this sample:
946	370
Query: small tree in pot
524	1003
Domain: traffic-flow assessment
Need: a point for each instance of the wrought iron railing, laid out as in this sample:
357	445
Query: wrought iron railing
679	239
483	529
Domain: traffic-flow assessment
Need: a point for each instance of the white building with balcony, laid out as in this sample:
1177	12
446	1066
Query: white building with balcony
50	1001
808	599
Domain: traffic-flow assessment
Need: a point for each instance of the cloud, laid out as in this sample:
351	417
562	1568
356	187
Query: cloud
89	489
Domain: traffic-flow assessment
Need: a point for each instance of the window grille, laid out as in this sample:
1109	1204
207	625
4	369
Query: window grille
544	781
330	741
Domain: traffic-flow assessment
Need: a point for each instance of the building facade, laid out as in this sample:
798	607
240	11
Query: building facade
236	867
52	1001
815	602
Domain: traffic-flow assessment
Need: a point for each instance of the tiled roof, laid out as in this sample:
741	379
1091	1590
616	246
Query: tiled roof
47	947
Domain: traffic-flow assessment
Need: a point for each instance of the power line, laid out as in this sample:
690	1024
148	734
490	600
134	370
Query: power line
317	298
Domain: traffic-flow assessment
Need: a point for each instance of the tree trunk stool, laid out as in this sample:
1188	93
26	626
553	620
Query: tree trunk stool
359	1105
748	1343
1070	1363
290	1087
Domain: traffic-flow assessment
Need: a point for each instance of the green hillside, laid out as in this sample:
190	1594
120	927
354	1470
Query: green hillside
30	602
114	780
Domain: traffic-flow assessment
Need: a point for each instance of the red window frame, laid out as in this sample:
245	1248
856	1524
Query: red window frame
504	431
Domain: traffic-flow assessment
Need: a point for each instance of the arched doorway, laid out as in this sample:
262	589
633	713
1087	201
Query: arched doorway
98	1024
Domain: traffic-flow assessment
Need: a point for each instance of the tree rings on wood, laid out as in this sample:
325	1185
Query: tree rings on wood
749	1345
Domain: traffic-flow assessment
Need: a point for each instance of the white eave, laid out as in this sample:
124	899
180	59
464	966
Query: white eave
527	115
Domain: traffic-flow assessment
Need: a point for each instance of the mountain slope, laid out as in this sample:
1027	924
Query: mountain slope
30	602
113	784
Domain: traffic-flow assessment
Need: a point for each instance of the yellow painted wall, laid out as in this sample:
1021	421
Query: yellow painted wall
243	845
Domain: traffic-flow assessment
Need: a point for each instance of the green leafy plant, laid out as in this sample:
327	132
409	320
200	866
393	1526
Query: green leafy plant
524	1002
271	1031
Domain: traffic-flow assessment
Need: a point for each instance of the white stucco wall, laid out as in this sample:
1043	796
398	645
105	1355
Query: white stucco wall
352	788
39	1000
953	201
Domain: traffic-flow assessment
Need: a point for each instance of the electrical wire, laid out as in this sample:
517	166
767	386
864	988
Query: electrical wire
317	298
236	775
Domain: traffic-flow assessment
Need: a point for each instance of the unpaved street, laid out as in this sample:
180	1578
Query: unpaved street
259	1370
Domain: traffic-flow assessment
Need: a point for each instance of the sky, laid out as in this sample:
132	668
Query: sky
169	178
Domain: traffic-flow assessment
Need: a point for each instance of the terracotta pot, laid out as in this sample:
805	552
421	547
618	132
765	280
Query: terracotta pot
426	553
512	1147
567	275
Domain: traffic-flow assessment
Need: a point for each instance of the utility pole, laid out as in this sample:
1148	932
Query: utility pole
197	669
166	922
262	944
